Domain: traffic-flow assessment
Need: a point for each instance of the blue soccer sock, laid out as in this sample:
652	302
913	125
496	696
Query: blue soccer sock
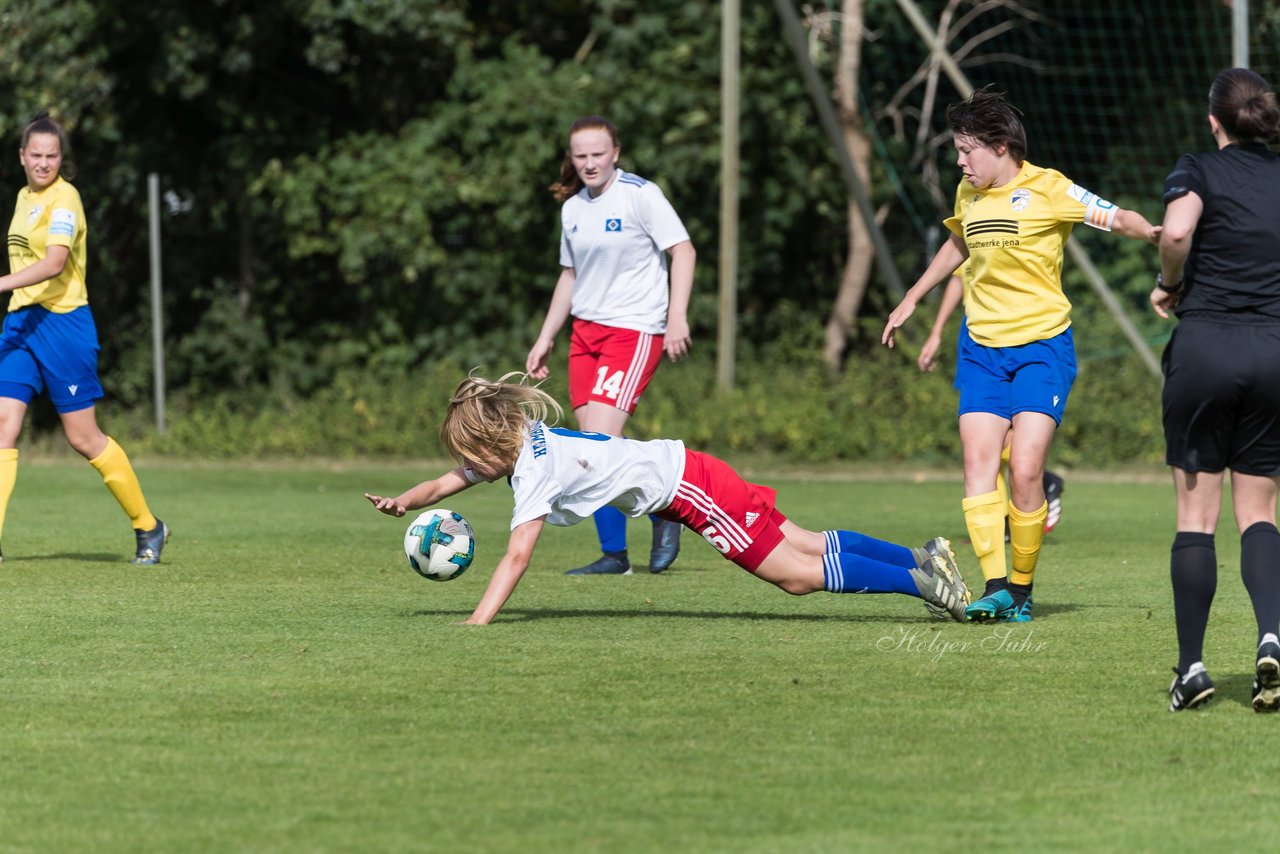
845	572
611	527
860	544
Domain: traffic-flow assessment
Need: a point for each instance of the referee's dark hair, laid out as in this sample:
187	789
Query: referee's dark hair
1245	106
990	119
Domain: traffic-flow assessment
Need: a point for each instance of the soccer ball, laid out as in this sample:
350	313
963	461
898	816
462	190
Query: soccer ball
440	545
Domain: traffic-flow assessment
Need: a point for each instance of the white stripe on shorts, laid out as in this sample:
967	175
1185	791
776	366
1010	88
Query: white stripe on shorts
725	524
635	371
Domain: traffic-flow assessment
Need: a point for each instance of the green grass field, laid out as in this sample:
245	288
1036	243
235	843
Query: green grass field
283	682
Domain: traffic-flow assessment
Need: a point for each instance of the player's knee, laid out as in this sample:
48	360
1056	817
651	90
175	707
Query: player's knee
10	429
87	445
797	587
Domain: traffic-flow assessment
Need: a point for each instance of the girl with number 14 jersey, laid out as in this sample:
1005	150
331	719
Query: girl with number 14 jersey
628	307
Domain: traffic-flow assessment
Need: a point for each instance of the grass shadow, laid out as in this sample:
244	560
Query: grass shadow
526	614
1234	688
98	557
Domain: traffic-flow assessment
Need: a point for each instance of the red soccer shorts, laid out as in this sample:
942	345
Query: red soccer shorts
610	365
736	517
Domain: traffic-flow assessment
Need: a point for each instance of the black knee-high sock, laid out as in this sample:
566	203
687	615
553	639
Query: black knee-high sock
1193	568
1260	570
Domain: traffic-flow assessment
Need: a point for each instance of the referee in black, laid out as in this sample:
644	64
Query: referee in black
1220	274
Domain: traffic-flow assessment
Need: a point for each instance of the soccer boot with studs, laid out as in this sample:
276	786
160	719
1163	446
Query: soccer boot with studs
939	581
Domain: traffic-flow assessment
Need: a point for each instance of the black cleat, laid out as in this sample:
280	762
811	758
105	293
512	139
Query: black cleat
1266	684
666	544
609	563
1190	691
1053	486
150	544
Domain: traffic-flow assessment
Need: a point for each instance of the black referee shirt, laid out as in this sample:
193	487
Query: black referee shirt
1234	264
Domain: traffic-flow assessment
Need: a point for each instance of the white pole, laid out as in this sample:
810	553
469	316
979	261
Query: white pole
157	316
729	116
1240	33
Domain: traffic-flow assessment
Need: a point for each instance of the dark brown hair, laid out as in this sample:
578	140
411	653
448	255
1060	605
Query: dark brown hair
990	119
569	182
1244	105
41	123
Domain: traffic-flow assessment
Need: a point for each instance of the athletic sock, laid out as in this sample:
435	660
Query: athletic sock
1026	533
860	544
994	585
984	517
1260	571
846	572
113	464
611	527
1193	568
8	479
1020	593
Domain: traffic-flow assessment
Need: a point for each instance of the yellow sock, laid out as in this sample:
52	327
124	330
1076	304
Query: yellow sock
117	474
8	478
1026	533
1002	487
984	517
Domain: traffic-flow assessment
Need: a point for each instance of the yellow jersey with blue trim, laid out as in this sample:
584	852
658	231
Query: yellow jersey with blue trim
1016	235
52	217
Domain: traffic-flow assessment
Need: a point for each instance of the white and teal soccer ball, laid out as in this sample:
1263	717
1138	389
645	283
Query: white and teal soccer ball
440	545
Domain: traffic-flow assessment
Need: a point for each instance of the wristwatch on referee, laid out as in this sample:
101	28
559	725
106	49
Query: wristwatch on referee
1168	289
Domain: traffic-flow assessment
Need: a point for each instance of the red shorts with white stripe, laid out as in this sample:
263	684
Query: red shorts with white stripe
610	365
736	517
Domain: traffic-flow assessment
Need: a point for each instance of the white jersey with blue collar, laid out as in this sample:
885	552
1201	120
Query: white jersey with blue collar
567	475
616	244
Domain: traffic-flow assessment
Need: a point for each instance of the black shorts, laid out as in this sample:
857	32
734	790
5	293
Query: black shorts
1222	397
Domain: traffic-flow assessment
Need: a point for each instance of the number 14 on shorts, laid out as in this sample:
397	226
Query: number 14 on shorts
610	385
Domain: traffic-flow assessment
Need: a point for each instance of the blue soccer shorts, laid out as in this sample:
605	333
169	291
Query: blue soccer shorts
40	348
1004	381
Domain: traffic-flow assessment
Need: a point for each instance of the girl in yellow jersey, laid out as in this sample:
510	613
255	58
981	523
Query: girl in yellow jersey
49	339
1017	359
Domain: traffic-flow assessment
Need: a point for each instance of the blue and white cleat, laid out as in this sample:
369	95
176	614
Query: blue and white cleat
150	544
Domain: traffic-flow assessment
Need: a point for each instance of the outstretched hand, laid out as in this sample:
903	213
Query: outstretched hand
390	506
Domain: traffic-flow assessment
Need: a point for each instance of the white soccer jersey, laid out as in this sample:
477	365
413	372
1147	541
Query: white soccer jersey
616	244
566	475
